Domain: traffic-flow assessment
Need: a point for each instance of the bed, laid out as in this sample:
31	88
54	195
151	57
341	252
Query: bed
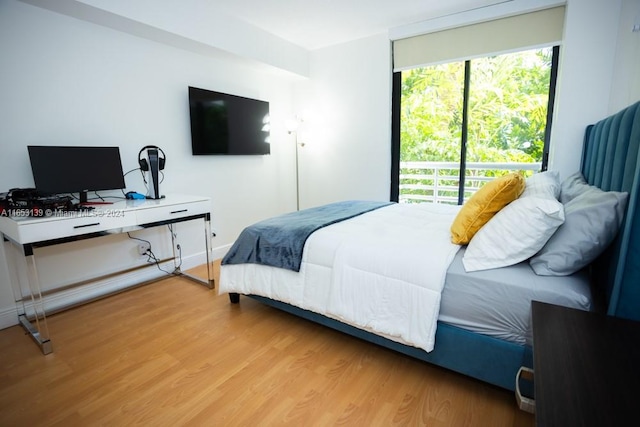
477	321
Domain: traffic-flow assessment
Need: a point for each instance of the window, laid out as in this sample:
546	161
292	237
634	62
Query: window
471	103
463	123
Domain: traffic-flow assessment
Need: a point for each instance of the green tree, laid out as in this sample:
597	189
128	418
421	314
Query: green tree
507	109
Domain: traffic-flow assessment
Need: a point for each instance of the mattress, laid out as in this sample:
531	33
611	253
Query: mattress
497	302
492	302
382	271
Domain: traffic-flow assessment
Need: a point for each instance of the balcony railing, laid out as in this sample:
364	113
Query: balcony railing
437	182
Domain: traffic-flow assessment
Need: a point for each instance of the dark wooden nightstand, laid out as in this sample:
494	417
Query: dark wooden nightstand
585	367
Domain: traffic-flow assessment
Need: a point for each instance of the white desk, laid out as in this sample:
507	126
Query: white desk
28	233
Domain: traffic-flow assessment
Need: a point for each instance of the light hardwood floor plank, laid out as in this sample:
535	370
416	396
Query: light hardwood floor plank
175	353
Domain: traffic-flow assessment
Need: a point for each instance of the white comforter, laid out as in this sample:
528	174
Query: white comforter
382	271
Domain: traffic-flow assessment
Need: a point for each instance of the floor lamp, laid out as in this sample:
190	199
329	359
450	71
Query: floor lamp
292	128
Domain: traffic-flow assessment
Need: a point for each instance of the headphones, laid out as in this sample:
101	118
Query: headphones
144	165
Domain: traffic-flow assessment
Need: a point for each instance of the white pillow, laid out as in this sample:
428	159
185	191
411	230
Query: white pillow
514	234
592	222
543	184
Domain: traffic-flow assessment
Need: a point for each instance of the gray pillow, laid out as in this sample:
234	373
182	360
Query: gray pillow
573	186
592	220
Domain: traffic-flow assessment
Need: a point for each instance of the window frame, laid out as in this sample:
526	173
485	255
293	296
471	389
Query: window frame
396	105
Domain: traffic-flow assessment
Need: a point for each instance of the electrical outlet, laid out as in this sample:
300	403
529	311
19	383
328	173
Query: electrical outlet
143	248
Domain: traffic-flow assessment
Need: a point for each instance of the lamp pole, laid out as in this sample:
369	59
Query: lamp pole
297	176
298	144
293	126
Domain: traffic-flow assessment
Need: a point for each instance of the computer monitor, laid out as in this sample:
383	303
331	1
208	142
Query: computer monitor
70	169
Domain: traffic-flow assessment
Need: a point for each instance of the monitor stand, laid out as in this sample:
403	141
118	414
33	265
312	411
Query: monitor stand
84	200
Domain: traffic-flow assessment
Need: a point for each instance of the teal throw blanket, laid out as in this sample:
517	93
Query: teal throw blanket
279	241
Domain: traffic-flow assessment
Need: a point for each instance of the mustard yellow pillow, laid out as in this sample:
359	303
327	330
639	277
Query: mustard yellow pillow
484	204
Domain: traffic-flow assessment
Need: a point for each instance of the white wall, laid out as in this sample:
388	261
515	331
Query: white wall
594	67
349	97
69	82
626	73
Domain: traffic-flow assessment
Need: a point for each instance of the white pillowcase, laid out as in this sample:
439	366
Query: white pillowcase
514	234
543	184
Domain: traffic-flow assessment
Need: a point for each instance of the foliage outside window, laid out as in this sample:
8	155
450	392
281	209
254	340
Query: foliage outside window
507	100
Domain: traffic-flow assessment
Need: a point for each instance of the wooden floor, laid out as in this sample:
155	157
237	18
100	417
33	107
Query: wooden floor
175	353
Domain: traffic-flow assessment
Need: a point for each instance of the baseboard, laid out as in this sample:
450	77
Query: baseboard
101	288
217	253
8	317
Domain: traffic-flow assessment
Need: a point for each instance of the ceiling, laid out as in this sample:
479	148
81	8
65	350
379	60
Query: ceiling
314	24
243	28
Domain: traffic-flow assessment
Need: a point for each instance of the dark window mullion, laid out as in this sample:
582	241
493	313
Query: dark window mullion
396	99
463	139
552	95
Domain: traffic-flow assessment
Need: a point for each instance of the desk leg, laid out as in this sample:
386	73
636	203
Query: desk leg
31	316
207	246
210	281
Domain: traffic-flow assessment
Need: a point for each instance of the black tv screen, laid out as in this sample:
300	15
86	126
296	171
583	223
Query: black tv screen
61	169
228	124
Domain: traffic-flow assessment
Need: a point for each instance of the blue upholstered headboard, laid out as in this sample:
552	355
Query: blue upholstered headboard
610	161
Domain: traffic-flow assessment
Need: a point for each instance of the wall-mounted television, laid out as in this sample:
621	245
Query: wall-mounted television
228	124
62	169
